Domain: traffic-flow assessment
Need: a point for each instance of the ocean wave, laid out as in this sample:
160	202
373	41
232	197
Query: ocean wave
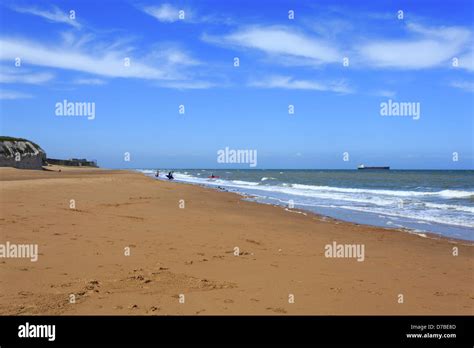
364	196
422	207
249	183
420	217
178	175
456	194
416	216
449	207
146	171
444	193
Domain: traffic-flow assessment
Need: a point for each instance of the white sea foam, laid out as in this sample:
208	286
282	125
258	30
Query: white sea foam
249	183
444	193
450	207
147	171
456	194
417	206
423	216
177	175
374	197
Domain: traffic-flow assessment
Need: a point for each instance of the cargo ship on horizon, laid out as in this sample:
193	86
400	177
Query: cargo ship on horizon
363	167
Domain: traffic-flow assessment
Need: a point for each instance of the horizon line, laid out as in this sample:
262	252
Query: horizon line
355	169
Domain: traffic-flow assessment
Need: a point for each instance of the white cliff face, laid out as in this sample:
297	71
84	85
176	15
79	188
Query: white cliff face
21	154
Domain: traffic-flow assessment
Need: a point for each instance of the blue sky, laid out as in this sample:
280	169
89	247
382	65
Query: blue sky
427	57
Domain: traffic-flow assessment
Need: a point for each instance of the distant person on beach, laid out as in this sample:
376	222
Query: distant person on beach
170	176
157	173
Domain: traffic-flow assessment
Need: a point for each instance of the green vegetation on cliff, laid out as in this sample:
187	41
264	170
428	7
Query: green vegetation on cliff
6	138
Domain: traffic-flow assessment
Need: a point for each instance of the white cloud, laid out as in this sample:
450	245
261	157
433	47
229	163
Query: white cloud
167	64
55	15
165	13
466	61
428	48
384	93
96	82
18	76
281	41
418	47
464	85
170	55
11	95
188	85
287	82
108	63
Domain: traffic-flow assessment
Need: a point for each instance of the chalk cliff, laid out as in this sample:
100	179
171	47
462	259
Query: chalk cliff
21	153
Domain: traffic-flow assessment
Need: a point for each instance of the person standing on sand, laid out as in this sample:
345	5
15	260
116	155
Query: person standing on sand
157	173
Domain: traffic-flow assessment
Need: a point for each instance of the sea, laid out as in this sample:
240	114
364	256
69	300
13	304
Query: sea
419	201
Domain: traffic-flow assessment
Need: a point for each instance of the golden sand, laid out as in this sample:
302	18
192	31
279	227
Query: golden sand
188	254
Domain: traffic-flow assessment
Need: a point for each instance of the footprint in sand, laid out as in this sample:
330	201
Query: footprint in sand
253	241
277	310
241	253
93	285
25	293
160	270
153	309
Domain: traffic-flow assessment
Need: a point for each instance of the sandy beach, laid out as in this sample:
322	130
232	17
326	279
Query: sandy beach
182	241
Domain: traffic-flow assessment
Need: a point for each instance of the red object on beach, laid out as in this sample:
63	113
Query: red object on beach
213	177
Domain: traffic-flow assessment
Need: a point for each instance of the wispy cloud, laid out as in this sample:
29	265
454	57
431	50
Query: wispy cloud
425	48
55	15
172	55
11	95
188	84
384	93
464	85
287	82
280	41
16	75
102	61
416	47
96	82
466	61
166	13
